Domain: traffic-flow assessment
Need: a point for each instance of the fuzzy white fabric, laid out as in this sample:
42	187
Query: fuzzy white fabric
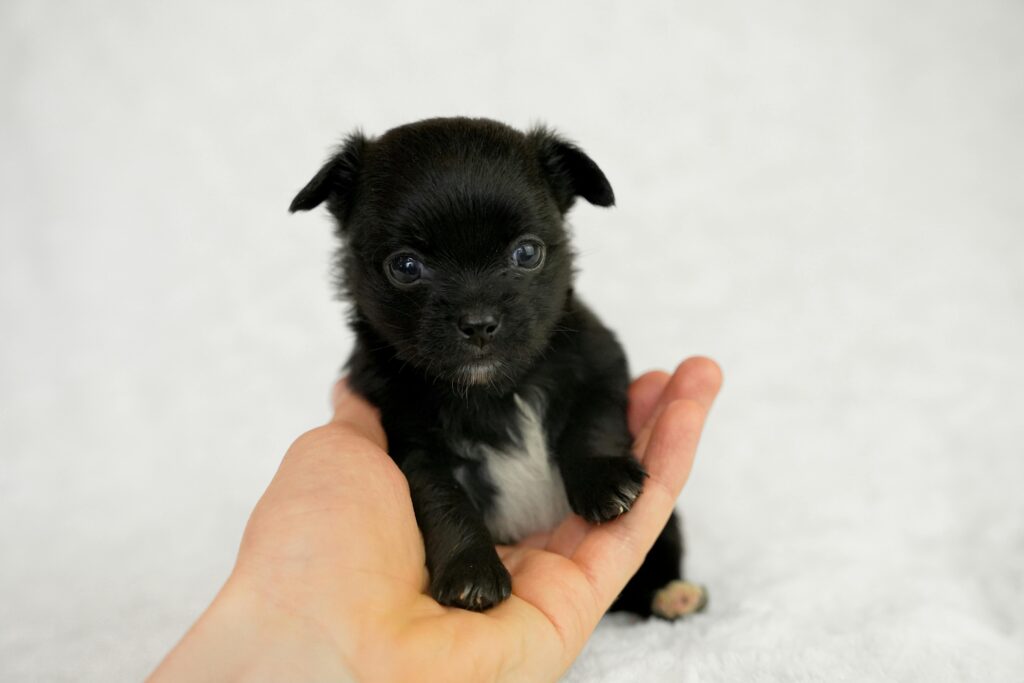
826	197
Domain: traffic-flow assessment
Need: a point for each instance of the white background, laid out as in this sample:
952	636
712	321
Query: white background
826	197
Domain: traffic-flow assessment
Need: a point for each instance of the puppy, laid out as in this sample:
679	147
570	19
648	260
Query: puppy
503	397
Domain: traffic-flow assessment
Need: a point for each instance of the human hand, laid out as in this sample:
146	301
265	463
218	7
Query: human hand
330	582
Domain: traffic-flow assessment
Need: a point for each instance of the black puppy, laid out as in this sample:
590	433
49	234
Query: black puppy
503	397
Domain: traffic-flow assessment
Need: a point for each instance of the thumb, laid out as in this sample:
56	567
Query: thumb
354	412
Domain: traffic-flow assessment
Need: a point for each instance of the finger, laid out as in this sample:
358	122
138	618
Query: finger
696	379
643	396
609	554
354	412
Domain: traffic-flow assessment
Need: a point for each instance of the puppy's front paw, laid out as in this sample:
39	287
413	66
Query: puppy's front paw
604	488
474	580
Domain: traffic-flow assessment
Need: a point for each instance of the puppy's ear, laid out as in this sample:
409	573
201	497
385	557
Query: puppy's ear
569	171
336	181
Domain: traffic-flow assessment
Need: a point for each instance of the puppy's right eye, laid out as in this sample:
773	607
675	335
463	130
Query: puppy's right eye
404	269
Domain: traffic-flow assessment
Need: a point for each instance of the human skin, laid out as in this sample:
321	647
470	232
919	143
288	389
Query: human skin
331	585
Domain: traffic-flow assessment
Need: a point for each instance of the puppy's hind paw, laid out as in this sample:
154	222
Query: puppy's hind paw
678	599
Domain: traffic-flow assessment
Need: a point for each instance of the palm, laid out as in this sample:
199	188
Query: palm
335	539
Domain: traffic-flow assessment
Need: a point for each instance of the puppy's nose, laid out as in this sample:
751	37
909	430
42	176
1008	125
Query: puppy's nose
479	327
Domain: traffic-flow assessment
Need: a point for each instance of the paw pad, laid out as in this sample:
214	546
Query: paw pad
679	598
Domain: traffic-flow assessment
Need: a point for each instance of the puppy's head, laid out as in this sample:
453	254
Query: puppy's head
455	248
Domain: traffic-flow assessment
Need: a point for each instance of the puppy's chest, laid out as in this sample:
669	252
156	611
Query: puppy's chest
513	479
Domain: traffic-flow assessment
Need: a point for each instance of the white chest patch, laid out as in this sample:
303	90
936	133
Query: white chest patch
529	493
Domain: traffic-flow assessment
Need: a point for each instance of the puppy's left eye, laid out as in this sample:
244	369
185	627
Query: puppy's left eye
528	254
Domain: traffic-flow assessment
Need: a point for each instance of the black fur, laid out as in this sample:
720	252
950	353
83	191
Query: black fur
446	356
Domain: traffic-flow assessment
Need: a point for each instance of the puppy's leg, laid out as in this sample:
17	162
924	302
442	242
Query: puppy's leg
465	570
594	452
657	587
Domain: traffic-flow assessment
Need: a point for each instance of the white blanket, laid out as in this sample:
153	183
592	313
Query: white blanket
825	197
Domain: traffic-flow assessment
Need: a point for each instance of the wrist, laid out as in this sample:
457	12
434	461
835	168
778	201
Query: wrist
243	637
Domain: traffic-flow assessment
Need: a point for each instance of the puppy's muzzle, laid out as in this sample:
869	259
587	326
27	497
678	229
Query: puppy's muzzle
479	327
